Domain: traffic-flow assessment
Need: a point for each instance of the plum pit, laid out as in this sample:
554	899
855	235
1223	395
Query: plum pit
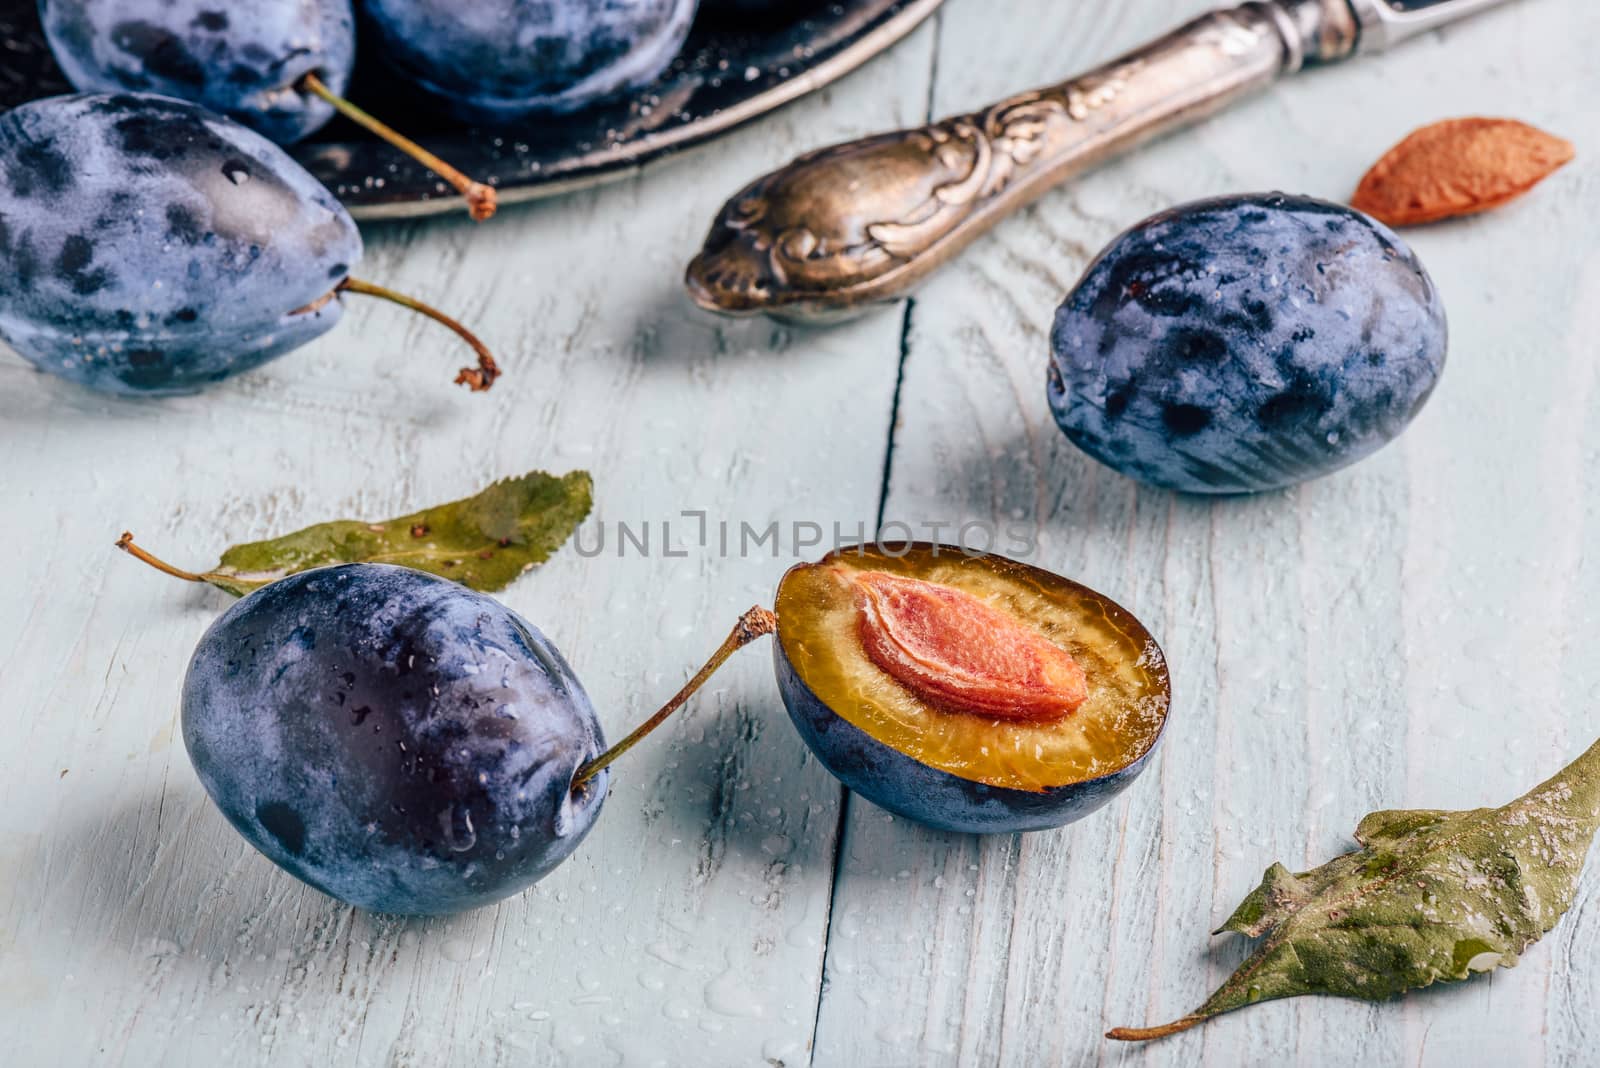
959	654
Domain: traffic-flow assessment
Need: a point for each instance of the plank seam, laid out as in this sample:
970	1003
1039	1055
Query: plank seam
843	827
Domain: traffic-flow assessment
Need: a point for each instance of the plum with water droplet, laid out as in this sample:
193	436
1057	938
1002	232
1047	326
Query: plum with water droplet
1246	343
497	61
397	740
151	247
394	739
280	67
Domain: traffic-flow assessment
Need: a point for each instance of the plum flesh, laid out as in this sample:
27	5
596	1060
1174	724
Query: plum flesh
148	246
902	745
1245	343
393	739
497	61
243	60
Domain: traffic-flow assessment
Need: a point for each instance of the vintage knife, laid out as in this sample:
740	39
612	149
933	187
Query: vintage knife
848	228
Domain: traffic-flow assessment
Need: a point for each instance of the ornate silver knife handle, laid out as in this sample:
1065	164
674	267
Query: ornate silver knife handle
847	228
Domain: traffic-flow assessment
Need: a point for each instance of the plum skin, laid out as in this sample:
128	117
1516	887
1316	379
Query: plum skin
151	247
243	60
496	61
934	798
391	738
1245	343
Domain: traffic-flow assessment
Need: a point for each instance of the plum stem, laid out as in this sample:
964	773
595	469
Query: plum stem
481	201
125	543
477	378
1147	1034
752	625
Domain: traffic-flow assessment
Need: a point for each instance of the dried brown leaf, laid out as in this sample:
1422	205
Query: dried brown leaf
1431	896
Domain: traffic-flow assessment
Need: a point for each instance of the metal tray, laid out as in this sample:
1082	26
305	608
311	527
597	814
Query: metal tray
726	75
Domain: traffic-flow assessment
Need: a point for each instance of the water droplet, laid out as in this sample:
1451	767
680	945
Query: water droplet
459	834
729	994
666	954
782	1050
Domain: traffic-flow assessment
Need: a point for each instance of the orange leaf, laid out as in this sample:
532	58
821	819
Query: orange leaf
1458	167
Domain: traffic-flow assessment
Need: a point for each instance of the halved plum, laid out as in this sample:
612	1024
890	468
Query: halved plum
968	693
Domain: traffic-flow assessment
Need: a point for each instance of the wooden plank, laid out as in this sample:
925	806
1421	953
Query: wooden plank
1409	632
137	928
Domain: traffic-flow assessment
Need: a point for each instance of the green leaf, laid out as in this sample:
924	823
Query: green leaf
1431	896
484	541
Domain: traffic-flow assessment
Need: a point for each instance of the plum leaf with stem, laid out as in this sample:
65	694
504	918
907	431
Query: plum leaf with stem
483	542
1431	896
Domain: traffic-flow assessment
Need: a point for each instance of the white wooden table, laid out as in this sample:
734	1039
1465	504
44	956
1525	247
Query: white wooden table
1416	631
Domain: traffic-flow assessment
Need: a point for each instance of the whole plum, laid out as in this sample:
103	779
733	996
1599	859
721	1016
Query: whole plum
393	739
148	246
1245	343
244	60
499	60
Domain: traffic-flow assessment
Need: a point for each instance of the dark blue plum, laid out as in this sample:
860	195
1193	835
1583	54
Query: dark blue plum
244	60
500	60
148	246
1245	343
930	796
393	739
